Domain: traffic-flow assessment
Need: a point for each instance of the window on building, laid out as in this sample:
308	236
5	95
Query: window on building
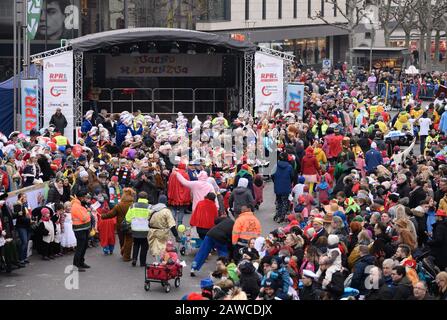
367	35
279	9
322	8
264	9
247	9
309	8
295	8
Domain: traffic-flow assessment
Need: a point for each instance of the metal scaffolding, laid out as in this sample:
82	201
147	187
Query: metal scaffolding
39	56
249	58
78	57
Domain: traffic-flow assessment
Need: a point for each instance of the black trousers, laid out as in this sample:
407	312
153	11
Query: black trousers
140	243
81	247
202	232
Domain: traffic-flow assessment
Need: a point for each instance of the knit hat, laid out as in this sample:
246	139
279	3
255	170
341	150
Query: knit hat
206	283
243	182
358	219
83	174
163	199
309	274
333	239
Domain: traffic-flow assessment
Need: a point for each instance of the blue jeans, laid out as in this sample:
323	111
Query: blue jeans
108	249
179	213
205	248
24	238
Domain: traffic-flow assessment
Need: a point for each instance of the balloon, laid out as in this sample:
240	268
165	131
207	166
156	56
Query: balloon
52	146
181	228
76	151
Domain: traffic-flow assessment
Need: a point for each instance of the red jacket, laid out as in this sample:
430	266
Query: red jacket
335	146
204	214
178	195
309	164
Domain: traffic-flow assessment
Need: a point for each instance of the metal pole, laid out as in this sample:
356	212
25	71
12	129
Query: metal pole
15	63
46	24
19	58
25	41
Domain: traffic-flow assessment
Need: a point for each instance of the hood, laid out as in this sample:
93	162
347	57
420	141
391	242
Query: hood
246	267
283	164
369	259
243	182
406	282
240	190
203	176
158	207
309	151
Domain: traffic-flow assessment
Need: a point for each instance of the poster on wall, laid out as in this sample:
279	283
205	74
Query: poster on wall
269	82
164	65
58	89
295	98
30	105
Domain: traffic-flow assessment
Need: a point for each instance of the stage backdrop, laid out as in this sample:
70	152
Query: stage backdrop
164	65
58	89
269	82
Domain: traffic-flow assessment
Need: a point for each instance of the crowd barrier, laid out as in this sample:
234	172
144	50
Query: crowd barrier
425	91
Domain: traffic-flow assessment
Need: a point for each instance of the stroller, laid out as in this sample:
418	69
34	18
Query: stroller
427	271
187	243
162	273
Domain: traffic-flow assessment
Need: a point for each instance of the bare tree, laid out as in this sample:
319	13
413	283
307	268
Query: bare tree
354	13
429	13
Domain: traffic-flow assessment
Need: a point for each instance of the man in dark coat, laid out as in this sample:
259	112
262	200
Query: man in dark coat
360	269
249	280
241	196
403	287
59	121
438	244
218	237
282	179
146	182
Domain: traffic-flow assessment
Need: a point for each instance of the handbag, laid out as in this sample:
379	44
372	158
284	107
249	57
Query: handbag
125	226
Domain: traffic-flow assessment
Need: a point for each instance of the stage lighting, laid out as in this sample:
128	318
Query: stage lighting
152	47
211	50
135	50
115	51
175	48
191	49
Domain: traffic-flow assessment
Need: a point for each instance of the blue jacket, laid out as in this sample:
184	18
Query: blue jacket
373	158
360	274
283	177
86	126
443	123
121	132
136	132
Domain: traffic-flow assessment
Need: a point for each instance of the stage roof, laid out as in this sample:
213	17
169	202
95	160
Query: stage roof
122	36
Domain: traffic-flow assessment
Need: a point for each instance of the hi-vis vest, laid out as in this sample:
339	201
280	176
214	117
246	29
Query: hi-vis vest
61	140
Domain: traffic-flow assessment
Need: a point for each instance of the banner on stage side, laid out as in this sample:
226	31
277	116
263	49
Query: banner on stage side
295	98
164	65
30	105
58	89
269	82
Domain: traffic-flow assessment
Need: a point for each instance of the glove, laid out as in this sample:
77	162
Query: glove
178	239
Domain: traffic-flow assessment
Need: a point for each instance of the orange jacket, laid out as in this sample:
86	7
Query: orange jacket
79	216
246	227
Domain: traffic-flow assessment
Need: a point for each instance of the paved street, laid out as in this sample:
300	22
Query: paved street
109	277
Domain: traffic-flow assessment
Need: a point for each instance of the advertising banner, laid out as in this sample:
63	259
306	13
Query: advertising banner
33	17
295	98
269	82
30	105
164	65
58	89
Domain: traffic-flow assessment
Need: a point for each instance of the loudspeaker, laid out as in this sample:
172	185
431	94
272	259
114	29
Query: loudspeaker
229	70
99	71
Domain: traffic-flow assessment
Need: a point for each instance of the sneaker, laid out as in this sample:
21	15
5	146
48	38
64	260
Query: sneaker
85	266
192	273
134	263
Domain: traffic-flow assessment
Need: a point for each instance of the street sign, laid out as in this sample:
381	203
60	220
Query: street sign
327	64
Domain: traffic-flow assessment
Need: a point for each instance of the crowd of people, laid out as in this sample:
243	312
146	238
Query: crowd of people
358	216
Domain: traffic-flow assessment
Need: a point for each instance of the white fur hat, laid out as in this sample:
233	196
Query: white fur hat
333	239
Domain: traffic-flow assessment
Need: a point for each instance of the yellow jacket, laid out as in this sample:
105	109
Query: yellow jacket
320	155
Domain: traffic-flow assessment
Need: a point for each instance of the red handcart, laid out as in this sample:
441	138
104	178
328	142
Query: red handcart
162	273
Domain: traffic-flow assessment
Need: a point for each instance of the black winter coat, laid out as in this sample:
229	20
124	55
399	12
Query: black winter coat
54	196
385	292
20	214
403	290
249	281
438	244
47	172
309	293
416	197
403	190
359	277
147	186
79	186
222	231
